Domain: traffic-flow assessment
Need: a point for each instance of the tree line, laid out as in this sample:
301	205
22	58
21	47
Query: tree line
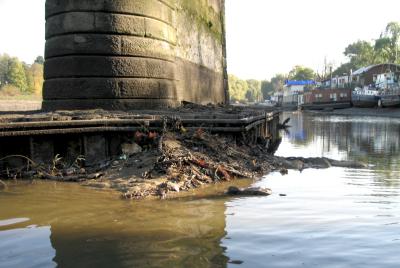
18	77
254	90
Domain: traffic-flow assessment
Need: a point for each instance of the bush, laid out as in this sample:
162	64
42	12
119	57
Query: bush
9	91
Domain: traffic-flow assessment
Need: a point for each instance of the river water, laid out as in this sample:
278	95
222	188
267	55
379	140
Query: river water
315	218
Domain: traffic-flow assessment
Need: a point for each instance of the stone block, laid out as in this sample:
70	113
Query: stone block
91	22
147	8
159	30
108	88
104	44
104	66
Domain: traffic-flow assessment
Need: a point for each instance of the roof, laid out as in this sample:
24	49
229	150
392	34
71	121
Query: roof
299	82
366	69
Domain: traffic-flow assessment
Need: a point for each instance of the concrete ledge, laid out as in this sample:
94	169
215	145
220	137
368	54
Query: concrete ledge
108	23
107	104
102	66
104	44
149	8
108	88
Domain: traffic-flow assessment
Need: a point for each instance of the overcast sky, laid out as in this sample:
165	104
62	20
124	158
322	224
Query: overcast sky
264	37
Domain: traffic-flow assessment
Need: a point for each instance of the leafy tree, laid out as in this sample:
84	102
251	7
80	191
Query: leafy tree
4	66
360	53
301	73
363	53
382	50
237	88
387	46
344	68
268	88
34	75
39	60
254	90
16	74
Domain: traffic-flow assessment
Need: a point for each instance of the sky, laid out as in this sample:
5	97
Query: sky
22	28
264	37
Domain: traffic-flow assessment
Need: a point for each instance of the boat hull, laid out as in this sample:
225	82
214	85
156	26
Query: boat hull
389	101
325	105
365	101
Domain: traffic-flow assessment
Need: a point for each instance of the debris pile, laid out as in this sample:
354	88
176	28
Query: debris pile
158	164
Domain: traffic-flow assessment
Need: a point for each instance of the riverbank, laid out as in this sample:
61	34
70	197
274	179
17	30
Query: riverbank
355	111
162	165
158	154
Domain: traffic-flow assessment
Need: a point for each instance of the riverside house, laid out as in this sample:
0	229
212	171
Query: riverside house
332	93
293	92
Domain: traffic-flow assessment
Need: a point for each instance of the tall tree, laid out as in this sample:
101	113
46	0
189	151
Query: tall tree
360	54
39	60
253	90
36	73
268	88
16	74
4	66
301	73
387	46
237	88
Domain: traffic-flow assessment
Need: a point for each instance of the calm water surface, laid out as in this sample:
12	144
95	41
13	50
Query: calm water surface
316	218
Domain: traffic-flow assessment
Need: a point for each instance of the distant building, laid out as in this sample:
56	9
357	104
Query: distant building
293	92
277	98
324	98
366	76
343	81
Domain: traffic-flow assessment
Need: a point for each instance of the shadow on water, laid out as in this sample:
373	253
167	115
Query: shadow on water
50	224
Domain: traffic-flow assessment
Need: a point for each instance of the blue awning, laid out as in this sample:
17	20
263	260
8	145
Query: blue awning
299	82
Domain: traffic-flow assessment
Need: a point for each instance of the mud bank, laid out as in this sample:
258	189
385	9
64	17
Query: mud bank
161	165
354	111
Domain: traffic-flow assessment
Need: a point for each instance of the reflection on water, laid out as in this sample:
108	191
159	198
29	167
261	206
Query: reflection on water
315	218
50	224
29	246
372	140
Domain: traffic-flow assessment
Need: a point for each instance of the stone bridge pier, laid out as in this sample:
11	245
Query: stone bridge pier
134	54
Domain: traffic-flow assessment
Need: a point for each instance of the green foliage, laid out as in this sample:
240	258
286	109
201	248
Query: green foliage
345	68
39	60
301	73
389	42
268	88
34	75
244	91
4	65
204	16
363	53
26	78
16	74
237	88
253	92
